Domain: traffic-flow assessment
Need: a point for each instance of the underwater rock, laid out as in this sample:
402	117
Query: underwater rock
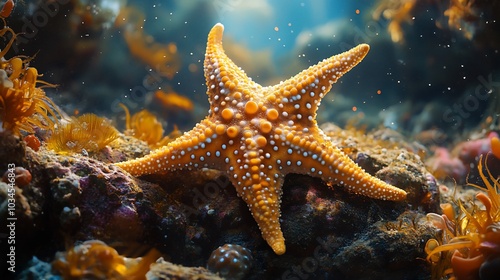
386	155
313	215
163	270
383	246
37	269
332	234
12	150
77	198
123	147
18	176
490	269
187	215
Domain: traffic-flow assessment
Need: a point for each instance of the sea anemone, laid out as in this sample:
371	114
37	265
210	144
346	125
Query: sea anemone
23	105
145	126
88	133
470	241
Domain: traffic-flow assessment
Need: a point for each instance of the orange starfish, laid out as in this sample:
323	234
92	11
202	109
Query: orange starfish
258	134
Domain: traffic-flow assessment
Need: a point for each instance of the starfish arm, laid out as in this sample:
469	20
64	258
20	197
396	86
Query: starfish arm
257	181
224	79
262	194
327	162
198	148
301	95
342	170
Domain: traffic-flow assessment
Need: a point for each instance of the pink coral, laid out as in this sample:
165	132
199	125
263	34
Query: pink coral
470	151
462	158
443	165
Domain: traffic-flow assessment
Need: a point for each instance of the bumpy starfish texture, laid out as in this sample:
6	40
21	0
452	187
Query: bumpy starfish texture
258	134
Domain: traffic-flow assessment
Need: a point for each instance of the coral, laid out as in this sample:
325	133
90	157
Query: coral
230	261
470	241
145	126
470	151
23	105
124	147
431	137
162	58
464	156
159	270
443	165
94	259
87	132
173	101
